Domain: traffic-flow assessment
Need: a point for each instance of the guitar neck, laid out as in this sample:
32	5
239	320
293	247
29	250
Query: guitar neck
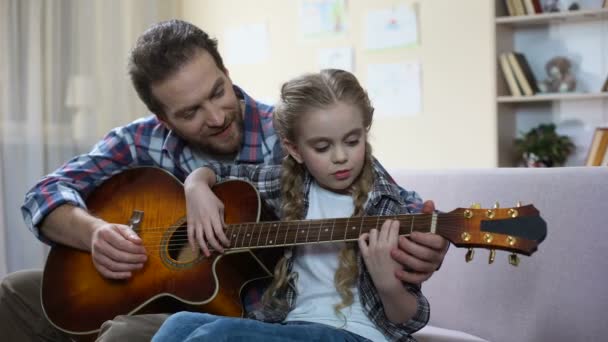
290	233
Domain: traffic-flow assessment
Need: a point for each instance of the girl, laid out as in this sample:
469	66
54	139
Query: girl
332	291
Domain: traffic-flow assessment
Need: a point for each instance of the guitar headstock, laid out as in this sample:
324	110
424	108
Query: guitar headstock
518	229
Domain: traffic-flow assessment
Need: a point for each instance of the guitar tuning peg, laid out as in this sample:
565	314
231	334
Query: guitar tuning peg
496	205
475	206
492	256
518	204
514	259
469	256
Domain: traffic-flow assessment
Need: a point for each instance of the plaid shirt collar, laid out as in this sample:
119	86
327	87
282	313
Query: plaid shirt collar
256	121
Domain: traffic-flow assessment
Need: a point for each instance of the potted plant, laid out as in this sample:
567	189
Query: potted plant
543	147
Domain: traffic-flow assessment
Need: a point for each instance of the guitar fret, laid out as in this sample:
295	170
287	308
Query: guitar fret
245	235
277	227
236	236
253	230
268	234
260	230
308	230
286	233
361	225
228	233
346	228
412	226
320	229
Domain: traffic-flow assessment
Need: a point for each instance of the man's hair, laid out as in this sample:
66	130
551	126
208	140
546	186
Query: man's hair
160	51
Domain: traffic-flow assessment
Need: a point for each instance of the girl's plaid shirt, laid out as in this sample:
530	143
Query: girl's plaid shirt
386	198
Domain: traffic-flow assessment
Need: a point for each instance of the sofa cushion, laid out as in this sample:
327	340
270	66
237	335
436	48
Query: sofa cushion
557	294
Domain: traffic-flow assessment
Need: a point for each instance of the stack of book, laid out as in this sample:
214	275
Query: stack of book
523	7
518	75
598	152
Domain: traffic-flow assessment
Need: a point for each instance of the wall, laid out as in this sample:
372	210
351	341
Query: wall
457	126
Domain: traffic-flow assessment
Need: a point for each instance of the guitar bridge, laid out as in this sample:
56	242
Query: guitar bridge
135	220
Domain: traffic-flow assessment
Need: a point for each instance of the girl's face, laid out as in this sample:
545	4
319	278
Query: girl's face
331	143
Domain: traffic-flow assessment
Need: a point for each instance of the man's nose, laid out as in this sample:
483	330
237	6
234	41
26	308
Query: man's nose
215	117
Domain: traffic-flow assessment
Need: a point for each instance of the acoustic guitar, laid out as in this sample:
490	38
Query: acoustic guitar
77	299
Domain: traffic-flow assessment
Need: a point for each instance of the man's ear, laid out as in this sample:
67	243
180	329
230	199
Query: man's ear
164	121
292	149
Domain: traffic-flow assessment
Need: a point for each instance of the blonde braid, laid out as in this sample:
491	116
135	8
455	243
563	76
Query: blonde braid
292	207
348	269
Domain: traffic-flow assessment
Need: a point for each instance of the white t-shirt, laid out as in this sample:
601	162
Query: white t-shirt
316	265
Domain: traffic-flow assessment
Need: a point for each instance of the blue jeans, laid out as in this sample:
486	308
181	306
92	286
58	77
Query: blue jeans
190	326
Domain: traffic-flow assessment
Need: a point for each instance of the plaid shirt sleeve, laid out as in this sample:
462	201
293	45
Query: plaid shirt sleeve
371	299
412	200
387	198
124	147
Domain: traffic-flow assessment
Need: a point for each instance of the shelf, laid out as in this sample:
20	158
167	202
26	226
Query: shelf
552	97
556	17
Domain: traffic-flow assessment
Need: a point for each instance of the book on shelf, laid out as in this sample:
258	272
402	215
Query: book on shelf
529	6
605	158
598	151
523	73
509	76
510	7
517	7
538	7
529	75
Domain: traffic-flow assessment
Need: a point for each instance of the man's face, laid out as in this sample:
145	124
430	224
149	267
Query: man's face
201	106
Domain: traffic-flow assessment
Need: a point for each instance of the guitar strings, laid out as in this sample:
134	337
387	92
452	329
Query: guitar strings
180	241
444	218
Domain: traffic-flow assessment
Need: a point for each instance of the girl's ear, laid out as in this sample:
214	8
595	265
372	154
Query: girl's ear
292	149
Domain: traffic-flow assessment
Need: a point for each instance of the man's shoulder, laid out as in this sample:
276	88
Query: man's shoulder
148	125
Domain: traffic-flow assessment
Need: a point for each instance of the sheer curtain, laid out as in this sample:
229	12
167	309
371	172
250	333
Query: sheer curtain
63	85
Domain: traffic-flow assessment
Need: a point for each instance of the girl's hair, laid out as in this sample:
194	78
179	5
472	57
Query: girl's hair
299	96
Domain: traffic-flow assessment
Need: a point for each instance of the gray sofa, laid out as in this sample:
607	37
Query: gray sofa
560	293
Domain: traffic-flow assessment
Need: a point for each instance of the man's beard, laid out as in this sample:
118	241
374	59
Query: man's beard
211	146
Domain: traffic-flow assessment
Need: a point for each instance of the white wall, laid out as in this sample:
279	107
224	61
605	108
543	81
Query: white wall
457	126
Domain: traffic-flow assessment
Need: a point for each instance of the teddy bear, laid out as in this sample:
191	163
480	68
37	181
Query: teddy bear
560	78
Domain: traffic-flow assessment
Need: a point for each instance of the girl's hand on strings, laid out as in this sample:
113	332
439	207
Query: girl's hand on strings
375	248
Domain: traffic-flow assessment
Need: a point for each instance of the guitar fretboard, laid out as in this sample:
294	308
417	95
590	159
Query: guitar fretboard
288	233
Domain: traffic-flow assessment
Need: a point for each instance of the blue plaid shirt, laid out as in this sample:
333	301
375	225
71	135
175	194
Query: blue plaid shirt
144	142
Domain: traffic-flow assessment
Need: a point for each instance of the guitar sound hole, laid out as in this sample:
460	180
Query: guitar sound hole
178	248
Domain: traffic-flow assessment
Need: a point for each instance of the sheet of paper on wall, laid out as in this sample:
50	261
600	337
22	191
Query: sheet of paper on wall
395	27
395	89
247	44
336	58
322	17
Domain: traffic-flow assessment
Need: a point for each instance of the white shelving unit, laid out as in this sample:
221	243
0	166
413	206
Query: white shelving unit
581	36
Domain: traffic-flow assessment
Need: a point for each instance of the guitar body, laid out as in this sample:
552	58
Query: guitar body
77	299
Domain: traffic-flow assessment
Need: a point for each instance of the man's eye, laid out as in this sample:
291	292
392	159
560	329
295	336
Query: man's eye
218	94
189	114
321	148
353	142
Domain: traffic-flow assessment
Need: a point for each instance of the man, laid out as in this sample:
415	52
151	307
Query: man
199	116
